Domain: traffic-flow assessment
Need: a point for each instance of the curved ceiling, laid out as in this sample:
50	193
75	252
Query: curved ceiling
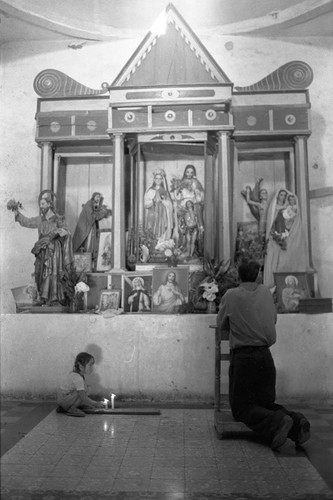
102	20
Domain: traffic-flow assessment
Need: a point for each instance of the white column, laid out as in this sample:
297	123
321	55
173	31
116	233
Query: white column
140	193
118	206
210	211
132	193
224	197
302	190
46	178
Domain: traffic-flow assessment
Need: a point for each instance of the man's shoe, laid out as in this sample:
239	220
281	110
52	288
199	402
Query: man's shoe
304	432
281	434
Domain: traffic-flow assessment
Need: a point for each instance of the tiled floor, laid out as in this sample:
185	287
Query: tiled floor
174	455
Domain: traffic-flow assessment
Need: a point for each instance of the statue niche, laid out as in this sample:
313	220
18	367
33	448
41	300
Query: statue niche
173	223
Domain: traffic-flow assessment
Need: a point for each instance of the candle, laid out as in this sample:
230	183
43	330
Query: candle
106	403
112	401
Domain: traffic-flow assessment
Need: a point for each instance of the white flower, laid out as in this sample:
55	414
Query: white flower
211	290
163	245
81	287
209	296
210	287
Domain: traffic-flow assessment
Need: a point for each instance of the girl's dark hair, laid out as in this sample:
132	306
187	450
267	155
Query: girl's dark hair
82	359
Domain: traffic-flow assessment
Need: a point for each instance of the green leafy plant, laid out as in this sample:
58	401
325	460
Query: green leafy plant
74	283
212	282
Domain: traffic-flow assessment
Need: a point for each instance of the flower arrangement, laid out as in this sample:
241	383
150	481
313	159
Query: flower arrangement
13	205
171	253
107	257
172	256
249	244
208	286
211	289
175	184
74	285
281	238
81	287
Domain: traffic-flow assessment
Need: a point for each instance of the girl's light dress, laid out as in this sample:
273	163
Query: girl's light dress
68	391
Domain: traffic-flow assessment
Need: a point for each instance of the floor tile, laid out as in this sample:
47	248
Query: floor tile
172	456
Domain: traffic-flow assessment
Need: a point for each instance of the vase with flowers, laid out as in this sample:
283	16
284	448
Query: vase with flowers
208	286
75	289
209	294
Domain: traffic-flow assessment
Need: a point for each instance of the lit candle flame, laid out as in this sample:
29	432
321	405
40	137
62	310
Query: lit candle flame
112	401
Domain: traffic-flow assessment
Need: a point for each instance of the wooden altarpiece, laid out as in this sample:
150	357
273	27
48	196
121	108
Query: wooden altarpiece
172	105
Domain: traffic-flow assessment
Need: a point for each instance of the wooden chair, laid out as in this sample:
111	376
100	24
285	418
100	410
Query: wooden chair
224	422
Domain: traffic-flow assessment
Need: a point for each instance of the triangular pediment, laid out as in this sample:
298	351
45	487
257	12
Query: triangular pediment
170	54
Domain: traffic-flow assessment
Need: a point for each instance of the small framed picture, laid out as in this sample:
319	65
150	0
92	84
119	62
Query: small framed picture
83	262
104	257
170	289
290	288
109	300
137	292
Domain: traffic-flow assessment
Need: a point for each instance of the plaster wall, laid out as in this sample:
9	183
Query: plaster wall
169	357
165	356
245	61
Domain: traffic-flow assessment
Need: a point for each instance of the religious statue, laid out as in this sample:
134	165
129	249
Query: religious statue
190	226
257	200
159	209
284	235
85	236
53	249
187	189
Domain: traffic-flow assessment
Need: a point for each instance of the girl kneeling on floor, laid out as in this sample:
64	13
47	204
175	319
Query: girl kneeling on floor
72	394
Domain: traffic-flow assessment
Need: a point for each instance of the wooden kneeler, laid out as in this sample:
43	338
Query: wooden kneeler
224	423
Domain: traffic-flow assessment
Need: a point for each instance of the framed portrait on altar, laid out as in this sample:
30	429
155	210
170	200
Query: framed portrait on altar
170	289
104	257
290	288
109	300
137	292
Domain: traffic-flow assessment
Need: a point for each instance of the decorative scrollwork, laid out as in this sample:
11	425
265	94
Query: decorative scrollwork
290	119
251	120
129	117
294	75
170	115
54	83
210	114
